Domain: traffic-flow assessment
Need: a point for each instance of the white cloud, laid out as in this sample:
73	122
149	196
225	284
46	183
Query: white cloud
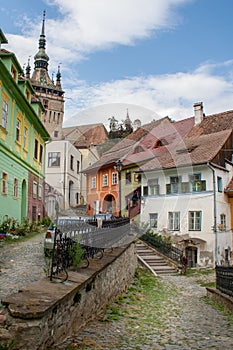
172	95
88	26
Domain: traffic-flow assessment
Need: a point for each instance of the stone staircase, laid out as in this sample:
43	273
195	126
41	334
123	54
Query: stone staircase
153	261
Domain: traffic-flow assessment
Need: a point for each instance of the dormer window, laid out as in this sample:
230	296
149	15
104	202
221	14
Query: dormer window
138	149
160	143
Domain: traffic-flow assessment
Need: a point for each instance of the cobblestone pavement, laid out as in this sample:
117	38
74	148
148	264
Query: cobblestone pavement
178	319
21	263
183	321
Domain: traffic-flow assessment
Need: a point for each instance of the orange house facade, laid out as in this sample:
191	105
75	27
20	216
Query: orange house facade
103	190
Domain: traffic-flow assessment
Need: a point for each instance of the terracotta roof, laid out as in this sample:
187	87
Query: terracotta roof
168	133
122	148
83	136
214	123
229	187
190	151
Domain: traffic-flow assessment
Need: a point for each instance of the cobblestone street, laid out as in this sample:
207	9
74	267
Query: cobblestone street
21	263
164	313
179	319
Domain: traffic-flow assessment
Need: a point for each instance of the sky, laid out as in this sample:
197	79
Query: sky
155	57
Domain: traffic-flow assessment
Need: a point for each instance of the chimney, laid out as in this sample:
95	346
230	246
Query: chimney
198	112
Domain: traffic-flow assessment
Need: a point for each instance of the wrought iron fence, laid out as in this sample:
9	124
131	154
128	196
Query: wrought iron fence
224	279
92	240
165	248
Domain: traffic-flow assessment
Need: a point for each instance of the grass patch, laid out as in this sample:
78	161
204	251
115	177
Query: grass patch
221	308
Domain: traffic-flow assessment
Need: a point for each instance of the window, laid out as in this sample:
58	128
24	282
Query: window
4	183
15	194
154	220
41	154
145	191
55	133
54	159
40	191
153	187
197	184
195	221
45	103
72	162
174	221
25	137
4	114
114	178
105	180
18	125
34	193
128	178
174	186
222	226
36	149
93	182
78	166
219	181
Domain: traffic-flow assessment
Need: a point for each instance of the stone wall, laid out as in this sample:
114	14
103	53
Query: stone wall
44	313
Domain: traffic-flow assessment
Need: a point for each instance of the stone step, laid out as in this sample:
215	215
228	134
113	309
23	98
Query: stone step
154	261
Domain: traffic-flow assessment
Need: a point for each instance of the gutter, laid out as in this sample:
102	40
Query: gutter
215	212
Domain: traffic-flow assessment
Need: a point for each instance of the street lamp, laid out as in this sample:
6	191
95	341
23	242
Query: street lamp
118	168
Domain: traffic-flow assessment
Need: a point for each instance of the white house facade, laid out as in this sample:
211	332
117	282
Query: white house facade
63	167
189	205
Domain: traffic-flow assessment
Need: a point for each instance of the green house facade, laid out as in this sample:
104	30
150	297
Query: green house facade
22	143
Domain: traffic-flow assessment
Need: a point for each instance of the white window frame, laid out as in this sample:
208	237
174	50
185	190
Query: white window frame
222	222
105	180
4	114
16	187
174	220
34	189
4	183
195	220
114	178
153	220
54	159
93	182
40	191
18	127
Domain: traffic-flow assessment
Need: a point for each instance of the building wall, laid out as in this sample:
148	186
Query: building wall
202	201
62	178
18	152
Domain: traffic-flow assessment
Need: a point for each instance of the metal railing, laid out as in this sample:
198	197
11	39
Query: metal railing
165	248
92	242
224	279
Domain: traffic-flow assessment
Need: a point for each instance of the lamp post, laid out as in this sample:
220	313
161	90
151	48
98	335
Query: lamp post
118	168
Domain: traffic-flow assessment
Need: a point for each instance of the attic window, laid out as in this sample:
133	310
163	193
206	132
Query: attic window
160	143
138	149
185	150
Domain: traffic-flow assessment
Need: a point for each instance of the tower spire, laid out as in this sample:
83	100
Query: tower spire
58	82
41	58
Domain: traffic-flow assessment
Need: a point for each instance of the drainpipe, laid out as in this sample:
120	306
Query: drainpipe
215	213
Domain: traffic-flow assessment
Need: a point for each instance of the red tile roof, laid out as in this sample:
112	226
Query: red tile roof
122	148
190	151
229	187
214	123
84	136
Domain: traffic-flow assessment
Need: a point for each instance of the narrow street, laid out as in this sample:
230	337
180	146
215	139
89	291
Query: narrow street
20	264
156	313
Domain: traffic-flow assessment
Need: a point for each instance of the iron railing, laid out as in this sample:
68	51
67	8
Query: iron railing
224	279
92	241
165	248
